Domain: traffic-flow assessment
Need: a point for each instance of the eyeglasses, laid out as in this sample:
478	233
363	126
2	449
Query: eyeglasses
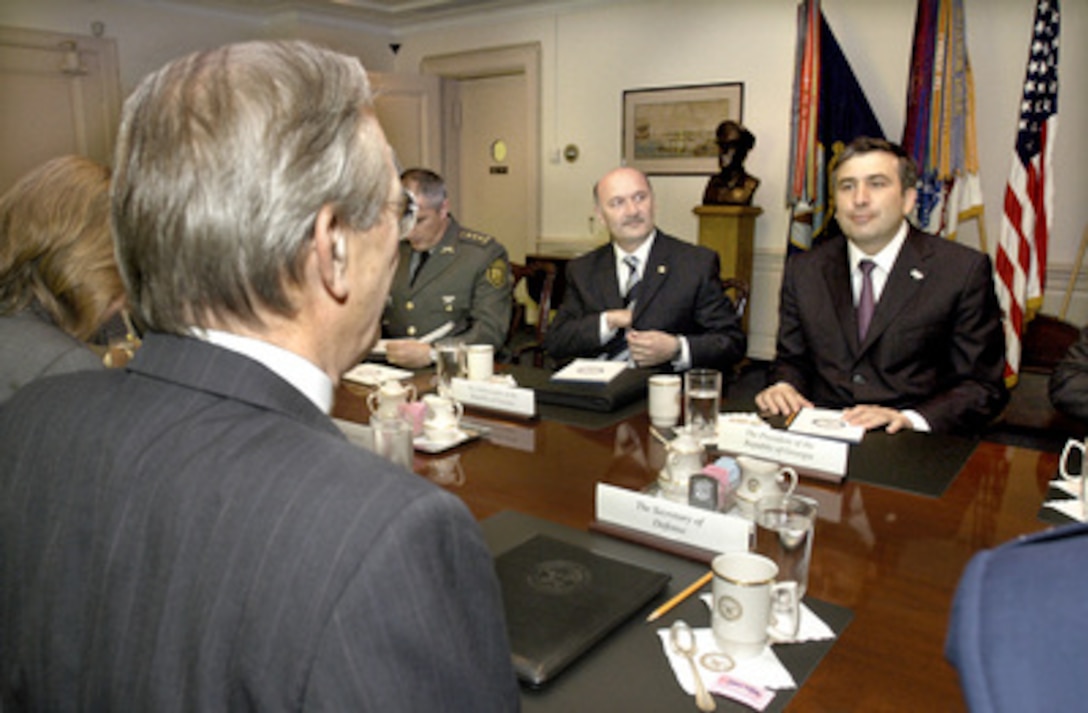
409	210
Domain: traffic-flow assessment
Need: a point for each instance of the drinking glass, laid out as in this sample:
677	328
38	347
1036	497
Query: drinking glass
783	533
702	401
449	364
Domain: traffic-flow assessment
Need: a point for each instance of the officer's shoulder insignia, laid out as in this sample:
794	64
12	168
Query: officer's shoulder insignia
476	238
496	272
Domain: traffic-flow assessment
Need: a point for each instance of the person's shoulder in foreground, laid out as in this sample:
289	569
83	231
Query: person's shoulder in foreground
205	534
1015	633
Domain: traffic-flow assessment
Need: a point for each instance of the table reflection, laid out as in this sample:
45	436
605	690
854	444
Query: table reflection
892	557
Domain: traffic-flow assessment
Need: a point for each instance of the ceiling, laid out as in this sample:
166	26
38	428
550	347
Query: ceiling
390	15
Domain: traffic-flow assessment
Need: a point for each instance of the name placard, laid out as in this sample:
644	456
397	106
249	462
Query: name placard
714	531
807	453
495	397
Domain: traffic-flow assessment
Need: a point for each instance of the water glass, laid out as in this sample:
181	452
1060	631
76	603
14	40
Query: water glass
702	401
783	534
393	440
449	364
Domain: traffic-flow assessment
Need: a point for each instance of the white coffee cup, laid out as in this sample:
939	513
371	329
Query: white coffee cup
442	419
760	478
1064	470
664	400
386	400
749	606
480	359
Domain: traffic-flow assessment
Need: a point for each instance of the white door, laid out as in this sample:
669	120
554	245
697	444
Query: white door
409	110
493	180
59	94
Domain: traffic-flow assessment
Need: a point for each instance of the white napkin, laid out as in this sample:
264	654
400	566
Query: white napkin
374	374
764	670
1072	507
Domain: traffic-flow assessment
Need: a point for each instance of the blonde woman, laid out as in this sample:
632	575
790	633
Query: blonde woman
59	281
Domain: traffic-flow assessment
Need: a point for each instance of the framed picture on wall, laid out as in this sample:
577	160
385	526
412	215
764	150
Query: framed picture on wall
671	130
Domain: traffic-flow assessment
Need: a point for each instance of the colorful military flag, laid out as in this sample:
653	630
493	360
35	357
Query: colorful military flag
829	110
1029	196
939	133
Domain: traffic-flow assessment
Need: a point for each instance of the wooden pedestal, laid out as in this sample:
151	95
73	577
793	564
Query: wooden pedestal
730	231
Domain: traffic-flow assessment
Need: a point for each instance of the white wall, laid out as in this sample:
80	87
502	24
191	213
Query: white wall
148	34
592	53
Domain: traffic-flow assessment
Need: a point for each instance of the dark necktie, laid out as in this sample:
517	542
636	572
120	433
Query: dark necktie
632	279
423	256
866	303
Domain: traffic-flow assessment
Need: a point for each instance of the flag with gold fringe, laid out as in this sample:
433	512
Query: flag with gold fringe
829	110
939	133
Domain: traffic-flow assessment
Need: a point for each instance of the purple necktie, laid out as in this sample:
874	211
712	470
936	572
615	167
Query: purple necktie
865	301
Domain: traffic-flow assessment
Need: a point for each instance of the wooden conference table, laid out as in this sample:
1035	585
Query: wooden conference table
892	557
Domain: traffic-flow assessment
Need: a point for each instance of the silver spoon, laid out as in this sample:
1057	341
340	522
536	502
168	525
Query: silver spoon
682	639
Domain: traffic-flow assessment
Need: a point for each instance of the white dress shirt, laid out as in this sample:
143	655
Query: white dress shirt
305	376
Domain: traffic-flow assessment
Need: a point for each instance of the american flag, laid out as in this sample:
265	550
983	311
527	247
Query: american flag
1029	196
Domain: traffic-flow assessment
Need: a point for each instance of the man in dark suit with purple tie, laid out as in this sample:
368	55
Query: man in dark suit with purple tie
646	297
193	532
900	328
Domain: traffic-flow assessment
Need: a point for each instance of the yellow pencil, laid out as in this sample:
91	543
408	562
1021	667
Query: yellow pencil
691	588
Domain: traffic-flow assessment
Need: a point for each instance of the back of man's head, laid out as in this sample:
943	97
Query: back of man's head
223	160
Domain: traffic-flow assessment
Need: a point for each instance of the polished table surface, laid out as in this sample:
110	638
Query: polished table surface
892	557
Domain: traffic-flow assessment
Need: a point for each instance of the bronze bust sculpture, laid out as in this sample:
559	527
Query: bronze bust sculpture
733	186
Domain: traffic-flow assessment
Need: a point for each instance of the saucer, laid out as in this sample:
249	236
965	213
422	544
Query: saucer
424	443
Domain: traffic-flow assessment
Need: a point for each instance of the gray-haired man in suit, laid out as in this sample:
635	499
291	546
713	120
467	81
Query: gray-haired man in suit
193	533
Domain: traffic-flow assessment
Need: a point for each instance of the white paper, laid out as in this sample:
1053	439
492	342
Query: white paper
762	670
826	423
709	530
796	449
593	371
375	374
495	396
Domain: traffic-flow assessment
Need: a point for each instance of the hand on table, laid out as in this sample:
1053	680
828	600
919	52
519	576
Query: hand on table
781	399
870	417
408	353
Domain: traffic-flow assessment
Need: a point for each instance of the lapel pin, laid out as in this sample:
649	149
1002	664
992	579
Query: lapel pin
917	274
661	269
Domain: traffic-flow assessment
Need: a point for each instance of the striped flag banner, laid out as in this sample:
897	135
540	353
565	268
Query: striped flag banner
1020	263
939	133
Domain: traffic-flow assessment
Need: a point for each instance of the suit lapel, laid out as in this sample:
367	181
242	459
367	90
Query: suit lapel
608	288
654	275
837	278
905	282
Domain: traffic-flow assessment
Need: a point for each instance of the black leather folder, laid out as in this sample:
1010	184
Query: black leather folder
561	599
629	386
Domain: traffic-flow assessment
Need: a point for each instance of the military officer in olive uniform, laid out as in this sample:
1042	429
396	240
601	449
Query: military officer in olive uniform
447	273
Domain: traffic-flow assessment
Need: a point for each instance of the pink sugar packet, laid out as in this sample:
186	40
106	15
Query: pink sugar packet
756	697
